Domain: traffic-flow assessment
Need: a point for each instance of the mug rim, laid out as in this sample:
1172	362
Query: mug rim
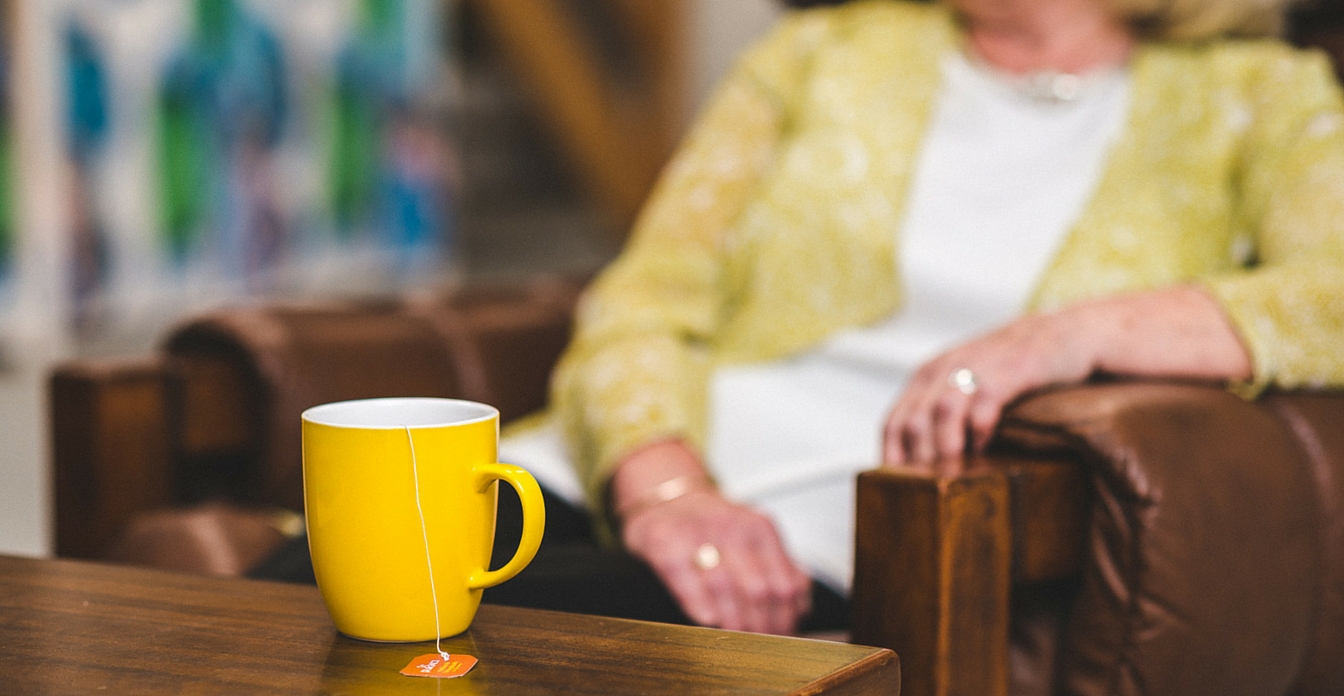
316	415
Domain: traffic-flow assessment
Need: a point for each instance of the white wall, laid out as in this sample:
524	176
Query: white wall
31	328
719	30
24	484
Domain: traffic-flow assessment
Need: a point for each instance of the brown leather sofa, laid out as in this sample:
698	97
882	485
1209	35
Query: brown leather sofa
1121	538
189	458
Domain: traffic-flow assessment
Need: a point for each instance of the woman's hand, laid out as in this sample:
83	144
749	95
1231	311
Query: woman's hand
953	402
935	421
724	562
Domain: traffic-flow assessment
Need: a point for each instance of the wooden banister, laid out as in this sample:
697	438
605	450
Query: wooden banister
617	136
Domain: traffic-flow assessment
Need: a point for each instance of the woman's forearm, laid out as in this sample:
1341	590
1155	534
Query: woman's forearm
1175	332
669	465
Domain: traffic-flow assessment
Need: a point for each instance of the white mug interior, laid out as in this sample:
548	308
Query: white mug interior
399	412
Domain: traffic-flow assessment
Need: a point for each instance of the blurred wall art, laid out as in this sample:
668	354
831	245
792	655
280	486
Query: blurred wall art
227	149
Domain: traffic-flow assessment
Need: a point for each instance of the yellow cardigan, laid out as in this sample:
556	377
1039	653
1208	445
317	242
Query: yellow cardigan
775	224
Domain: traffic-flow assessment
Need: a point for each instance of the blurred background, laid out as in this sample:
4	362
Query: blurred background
161	157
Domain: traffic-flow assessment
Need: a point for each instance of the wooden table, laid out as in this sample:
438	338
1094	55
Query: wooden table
84	628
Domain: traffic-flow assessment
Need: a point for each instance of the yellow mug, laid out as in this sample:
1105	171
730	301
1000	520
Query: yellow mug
396	487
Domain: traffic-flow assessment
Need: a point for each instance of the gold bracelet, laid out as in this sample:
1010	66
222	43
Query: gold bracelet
665	492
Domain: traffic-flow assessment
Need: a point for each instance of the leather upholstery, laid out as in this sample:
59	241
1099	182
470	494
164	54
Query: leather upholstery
298	357
496	346
1317	421
1214	556
212	539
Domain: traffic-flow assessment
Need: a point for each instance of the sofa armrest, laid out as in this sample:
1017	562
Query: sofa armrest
111	448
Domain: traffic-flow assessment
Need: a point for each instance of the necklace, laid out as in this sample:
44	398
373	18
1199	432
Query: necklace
1043	86
1049	86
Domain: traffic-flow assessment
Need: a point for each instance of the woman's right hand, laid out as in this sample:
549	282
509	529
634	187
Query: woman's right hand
746	583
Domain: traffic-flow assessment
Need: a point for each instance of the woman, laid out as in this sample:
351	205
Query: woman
940	207
954	204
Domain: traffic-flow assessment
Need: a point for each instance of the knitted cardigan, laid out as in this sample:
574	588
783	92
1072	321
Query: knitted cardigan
776	223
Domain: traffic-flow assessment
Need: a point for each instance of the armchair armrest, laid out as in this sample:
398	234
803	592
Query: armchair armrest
931	575
936	557
1197	556
111	448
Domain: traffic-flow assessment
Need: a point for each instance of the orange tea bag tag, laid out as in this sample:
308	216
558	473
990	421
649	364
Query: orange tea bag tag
440	666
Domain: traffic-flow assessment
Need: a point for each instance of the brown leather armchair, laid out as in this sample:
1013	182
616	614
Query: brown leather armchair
189	458
1123	538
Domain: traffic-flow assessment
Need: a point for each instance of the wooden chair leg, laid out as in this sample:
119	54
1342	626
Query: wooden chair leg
932	576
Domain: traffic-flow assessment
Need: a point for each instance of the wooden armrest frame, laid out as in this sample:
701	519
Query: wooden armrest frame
122	432
111	447
941	554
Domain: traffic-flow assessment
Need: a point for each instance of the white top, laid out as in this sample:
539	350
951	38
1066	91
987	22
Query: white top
1000	181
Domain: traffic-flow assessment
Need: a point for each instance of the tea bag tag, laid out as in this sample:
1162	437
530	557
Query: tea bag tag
440	665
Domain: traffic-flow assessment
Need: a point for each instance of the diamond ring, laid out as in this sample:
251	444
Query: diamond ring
963	380
707	557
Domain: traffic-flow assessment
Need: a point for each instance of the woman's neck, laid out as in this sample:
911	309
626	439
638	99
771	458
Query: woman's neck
1022	36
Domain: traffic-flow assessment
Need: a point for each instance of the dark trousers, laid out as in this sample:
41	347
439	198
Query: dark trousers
571	572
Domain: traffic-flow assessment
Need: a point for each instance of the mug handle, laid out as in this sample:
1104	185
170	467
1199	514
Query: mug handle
534	520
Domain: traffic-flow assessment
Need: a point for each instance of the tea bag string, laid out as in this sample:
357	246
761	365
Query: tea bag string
424	535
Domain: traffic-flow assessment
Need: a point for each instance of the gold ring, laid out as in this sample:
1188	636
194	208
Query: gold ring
707	557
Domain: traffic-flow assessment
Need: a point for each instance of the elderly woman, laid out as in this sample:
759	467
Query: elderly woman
893	219
943	207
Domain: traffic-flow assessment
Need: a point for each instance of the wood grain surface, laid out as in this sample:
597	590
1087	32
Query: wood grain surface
932	571
70	627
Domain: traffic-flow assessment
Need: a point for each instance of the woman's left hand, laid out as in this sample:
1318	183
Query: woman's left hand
953	403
